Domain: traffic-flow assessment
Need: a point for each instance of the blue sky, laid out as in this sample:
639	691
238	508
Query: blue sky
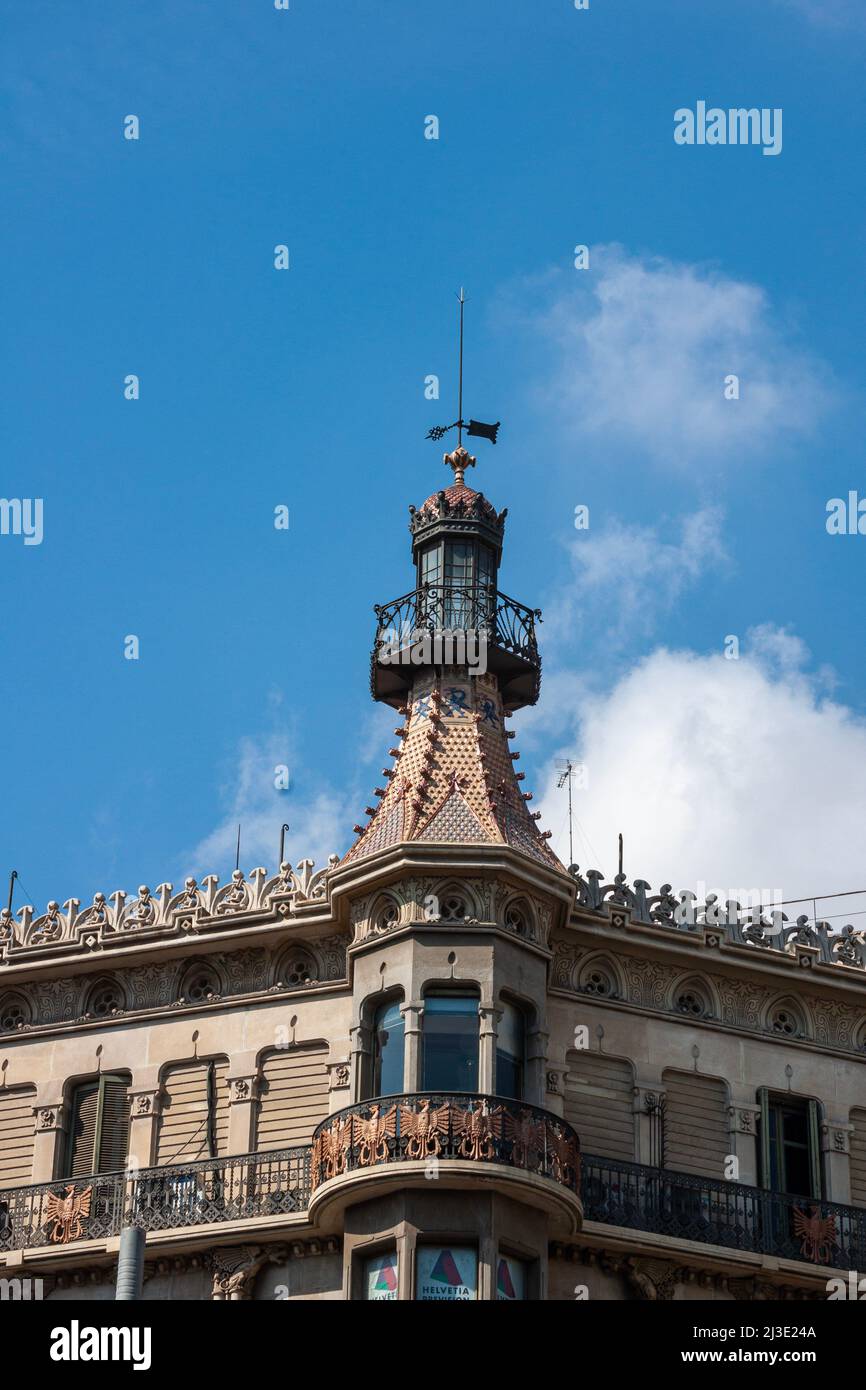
306	388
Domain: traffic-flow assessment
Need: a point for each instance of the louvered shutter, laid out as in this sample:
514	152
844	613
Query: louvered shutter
114	1125
858	1158
84	1122
293	1097
599	1103
696	1124
99	1127
16	1135
194	1117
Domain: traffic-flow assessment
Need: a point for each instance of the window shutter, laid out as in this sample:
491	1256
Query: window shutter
764	1102
696	1124
194	1118
114	1125
293	1097
814	1150
599	1103
99	1129
82	1133
16	1135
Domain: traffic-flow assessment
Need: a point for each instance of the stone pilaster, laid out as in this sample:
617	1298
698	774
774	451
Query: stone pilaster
143	1120
243	1108
413	1022
535	1083
49	1140
743	1131
835	1146
489	1017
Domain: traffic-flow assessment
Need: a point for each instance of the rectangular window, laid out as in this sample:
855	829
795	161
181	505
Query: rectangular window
388	1051
450	1043
99	1127
446	1273
790	1148
510	1279
510	1053
379	1277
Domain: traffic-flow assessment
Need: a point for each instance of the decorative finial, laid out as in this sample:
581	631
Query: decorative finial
459	461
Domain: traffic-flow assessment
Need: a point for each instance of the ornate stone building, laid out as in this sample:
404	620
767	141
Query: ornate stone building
445	1066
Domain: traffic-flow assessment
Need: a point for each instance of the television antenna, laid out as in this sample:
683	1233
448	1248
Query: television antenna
567	768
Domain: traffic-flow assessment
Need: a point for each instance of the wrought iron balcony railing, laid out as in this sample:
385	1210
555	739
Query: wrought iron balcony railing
433	1126
461	607
506	626
729	1214
192	1194
392	1130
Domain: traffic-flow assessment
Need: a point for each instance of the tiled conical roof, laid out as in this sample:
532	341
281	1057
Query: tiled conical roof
453	779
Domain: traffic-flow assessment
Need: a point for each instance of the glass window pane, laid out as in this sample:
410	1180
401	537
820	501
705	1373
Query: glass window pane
510	1052
450	1043
446	1272
388	1036
510	1279
380	1277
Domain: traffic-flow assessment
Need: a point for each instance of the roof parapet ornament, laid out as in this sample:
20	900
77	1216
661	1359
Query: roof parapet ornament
460	460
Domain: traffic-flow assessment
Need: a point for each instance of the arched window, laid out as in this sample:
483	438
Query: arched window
99	1126
510	1052
388	1050
450	1054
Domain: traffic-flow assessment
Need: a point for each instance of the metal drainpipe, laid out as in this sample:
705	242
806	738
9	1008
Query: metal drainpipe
130	1264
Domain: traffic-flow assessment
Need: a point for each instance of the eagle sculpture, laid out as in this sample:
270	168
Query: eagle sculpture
66	1213
817	1234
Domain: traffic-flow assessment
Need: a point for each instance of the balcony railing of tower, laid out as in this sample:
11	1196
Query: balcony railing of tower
434	1126
280	1183
479	608
766	927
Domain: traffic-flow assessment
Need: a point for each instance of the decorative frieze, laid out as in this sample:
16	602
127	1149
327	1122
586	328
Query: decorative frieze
179	984
742	1004
452	902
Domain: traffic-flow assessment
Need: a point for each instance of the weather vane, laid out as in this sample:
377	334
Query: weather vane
476	428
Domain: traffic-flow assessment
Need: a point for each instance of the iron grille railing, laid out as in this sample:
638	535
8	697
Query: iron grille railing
192	1194
434	1125
729	1214
479	608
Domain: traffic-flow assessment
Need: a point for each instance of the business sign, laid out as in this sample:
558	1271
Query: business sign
380	1277
510	1278
446	1272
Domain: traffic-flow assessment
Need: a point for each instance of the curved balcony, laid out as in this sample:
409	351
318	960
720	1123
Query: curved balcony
507	627
459	1139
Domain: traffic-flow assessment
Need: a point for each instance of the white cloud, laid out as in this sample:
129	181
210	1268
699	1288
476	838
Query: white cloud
627	576
739	774
320	825
644	346
832	14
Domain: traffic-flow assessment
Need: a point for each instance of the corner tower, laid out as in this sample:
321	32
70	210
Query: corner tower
455	656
